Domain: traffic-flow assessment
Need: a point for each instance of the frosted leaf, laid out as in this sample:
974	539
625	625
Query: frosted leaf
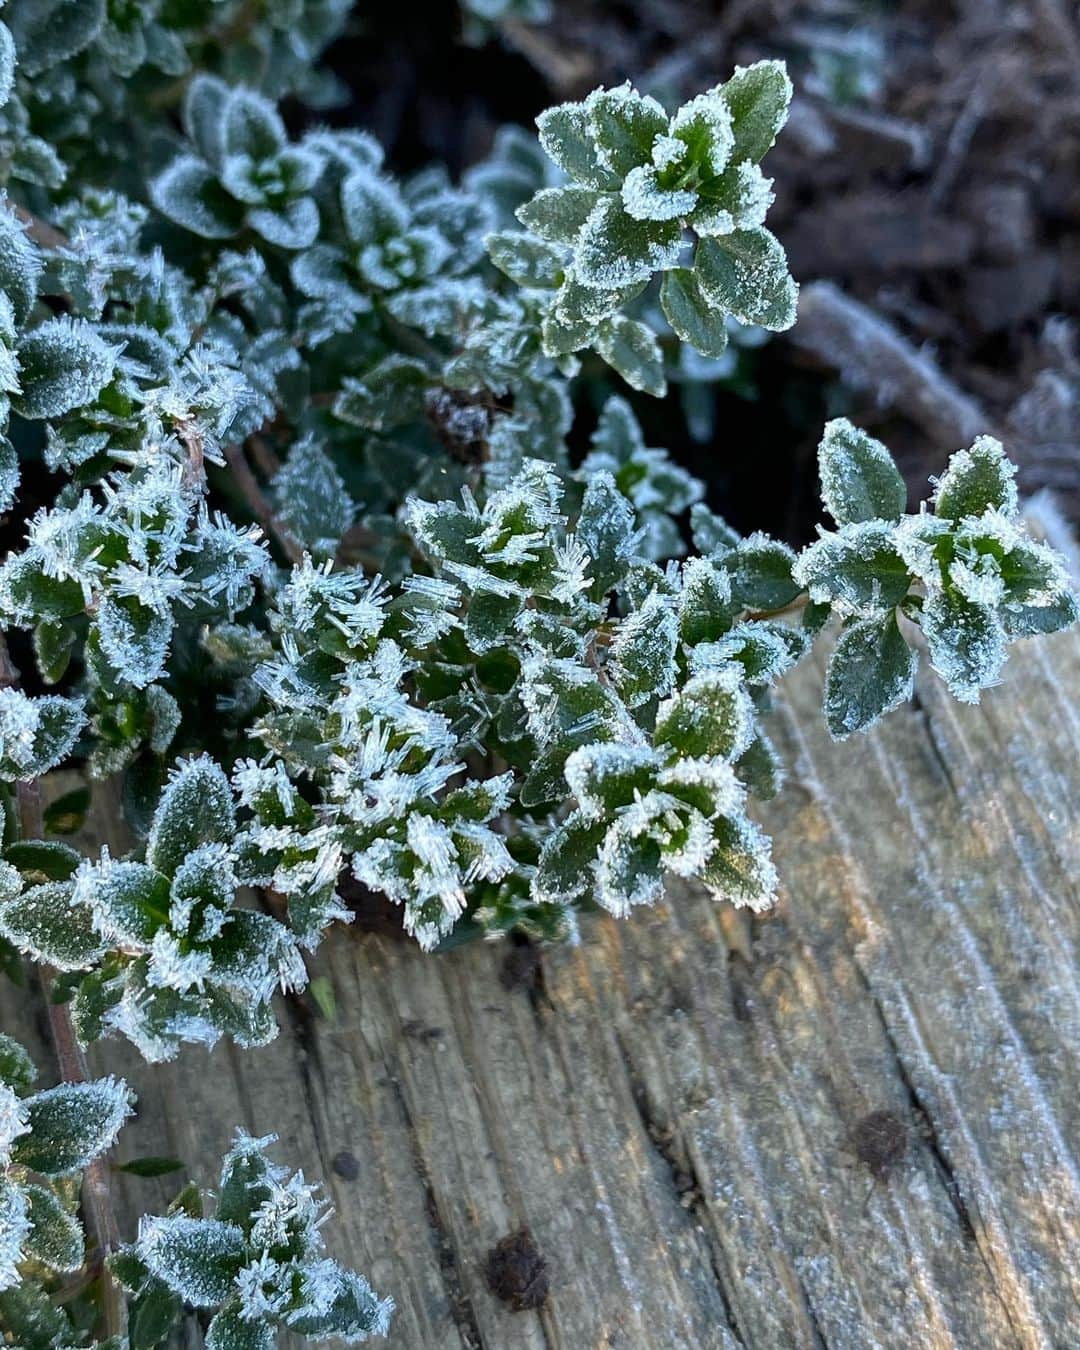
134	637
871	671
692	316
631	348
64	365
746	274
14	1121
629	869
761	573
704	124
711	715
644	198
197	1258
16	1071
557	214
525	260
195	808
624	124
20	265
967	643
613	249
56	1237
740	867
863	569
312	498
642	660
233	1329
51	32
977	480
760	648
36	734
568	140
189	194
758	96
604	777
14	1228
859	479
72	1124
705	607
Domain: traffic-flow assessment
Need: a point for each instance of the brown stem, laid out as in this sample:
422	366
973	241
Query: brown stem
96	1198
260	507
48	236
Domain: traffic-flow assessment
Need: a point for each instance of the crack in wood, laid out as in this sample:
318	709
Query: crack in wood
458	1300
685	1180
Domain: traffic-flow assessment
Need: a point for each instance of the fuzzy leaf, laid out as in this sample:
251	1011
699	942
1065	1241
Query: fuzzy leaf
977	480
746	274
631	348
758	97
64	365
871	671
859	479
196	808
690	314
740	867
72	1124
55	1238
188	193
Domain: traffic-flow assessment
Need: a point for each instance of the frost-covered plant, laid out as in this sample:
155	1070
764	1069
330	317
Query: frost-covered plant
47	1139
298	552
258	1262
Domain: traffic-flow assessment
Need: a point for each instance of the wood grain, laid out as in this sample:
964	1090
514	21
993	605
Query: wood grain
671	1112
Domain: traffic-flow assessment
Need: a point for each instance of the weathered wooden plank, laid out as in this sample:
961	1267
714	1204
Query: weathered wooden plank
671	1113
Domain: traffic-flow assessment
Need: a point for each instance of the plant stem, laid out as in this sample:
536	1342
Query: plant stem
260	507
96	1197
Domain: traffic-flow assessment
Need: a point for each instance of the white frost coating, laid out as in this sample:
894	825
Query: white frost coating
14	1230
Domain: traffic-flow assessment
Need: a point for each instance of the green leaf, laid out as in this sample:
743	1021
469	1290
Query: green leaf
761	768
31	1320
761	574
189	194
858	569
196	808
47	32
390	394
149	1167
16	1067
871	671
613	249
67	814
43	923
56	1237
624	125
20	266
630	870
53	645
526	260
690	314
567	138
631	349
643	654
705	607
967	643
740	867
567	860
72	1124
64	365
43	860
859	479
558	214
231	1330
977	480
746	274
758	97
606	529
711	715
197	1258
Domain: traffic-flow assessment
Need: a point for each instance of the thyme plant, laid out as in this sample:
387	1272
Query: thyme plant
298	554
